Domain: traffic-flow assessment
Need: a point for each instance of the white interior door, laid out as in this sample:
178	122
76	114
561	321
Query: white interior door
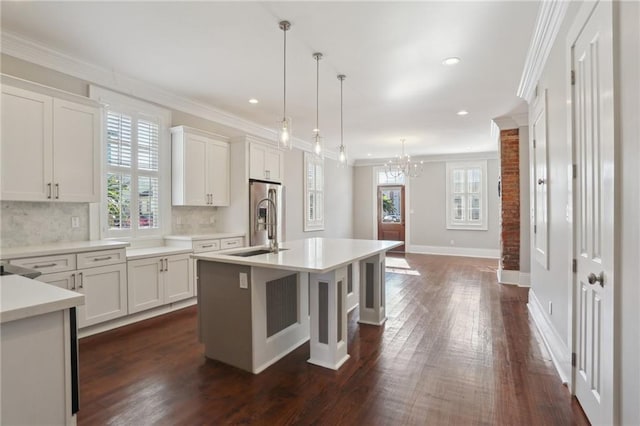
594	214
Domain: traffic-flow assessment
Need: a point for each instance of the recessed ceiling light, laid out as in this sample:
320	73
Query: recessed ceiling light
462	112
368	154
451	61
253	101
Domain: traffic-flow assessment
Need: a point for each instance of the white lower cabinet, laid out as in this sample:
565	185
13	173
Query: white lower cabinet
104	288
156	281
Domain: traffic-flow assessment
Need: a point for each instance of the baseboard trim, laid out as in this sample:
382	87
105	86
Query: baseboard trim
140	316
454	251
521	279
558	350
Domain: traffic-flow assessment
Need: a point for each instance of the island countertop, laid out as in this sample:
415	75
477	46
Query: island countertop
23	298
317	255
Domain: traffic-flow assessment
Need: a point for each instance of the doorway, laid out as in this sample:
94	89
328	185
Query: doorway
391	214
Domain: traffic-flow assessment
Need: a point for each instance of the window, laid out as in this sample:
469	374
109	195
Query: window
313	192
136	154
467	195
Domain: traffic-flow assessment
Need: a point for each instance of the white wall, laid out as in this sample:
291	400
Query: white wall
338	207
525	218
363	203
552	285
426	231
627	86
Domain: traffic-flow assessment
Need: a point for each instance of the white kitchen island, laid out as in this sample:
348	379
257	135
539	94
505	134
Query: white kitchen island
254	310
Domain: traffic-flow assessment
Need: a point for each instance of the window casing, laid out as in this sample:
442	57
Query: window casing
466	204
313	192
136	198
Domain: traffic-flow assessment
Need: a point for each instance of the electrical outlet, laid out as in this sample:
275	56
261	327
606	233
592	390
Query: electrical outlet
243	280
550	308
75	222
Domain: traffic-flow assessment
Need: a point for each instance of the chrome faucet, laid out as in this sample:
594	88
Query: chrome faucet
272	226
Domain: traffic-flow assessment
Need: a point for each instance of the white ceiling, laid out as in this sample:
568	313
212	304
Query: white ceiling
223	53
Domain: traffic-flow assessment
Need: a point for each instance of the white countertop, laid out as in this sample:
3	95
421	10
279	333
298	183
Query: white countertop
60	248
204	236
318	255
141	253
22	297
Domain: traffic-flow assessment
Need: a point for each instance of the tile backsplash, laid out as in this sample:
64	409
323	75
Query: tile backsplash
26	223
193	220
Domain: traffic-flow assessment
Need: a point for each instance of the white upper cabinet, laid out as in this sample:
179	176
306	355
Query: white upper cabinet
50	147
265	162
200	168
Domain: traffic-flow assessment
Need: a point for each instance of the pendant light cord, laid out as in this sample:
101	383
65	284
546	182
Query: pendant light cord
341	120
317	94
285	76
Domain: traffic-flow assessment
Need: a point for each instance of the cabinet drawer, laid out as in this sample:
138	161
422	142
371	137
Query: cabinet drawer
228	243
48	264
92	259
206	245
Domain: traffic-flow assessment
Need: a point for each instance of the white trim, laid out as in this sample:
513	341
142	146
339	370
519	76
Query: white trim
558	350
512	122
467	224
521	279
454	251
130	319
39	54
548	23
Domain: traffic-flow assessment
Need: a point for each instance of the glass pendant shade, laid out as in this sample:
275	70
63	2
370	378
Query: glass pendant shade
284	133
342	154
317	140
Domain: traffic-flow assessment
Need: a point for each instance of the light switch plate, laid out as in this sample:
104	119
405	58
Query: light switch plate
243	280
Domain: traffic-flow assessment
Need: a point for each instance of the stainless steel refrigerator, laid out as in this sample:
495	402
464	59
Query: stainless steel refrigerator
266	212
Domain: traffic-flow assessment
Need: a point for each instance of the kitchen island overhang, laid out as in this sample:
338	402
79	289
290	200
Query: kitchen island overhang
255	310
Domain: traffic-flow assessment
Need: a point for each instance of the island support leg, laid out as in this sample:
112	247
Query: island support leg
328	309
372	290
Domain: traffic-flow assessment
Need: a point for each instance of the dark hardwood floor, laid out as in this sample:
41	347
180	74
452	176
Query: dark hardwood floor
457	348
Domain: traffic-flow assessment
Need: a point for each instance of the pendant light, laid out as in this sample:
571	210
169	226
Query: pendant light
318	141
285	139
342	151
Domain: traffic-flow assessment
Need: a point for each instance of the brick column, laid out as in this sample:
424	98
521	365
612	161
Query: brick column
510	195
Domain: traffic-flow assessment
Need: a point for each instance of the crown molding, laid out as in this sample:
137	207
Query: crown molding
39	54
550	17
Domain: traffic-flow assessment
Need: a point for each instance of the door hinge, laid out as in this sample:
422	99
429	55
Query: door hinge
575	170
574	266
535	228
573	78
573	359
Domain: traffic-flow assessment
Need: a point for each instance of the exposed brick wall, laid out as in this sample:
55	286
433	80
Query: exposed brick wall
510	215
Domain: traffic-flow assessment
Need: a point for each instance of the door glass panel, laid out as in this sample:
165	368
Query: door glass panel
391	204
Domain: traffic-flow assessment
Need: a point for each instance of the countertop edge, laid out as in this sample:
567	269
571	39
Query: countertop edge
64	248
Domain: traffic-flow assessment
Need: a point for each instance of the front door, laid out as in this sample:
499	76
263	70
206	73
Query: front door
391	214
594	215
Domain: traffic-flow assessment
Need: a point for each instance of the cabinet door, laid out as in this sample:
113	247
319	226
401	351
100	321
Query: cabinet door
66	280
76	152
105	294
218	172
178	278
26	145
195	170
273	165
146	289
257	155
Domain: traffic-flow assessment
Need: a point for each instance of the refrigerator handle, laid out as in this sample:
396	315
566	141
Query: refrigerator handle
273	196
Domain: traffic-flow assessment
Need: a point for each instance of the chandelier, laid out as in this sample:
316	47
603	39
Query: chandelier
402	165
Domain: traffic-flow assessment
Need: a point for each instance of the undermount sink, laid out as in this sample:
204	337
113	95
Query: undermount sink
254	252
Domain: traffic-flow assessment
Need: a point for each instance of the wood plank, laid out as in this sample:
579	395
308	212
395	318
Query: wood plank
457	348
